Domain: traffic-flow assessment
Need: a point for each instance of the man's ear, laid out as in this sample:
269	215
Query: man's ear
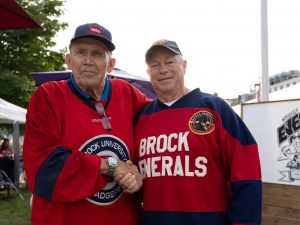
68	61
184	63
111	65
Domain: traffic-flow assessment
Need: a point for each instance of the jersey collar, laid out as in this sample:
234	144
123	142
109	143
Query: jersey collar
86	96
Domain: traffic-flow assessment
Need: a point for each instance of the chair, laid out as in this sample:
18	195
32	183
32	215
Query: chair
5	184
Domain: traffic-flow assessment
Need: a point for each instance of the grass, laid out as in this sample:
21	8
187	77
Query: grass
14	210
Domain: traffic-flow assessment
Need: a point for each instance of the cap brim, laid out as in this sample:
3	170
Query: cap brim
154	47
108	43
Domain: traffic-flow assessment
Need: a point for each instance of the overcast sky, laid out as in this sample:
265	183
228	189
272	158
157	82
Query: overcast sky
220	39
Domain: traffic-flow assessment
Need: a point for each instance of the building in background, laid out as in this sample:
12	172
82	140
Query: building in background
284	85
284	80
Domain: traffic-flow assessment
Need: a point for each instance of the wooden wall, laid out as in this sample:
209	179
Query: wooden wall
281	204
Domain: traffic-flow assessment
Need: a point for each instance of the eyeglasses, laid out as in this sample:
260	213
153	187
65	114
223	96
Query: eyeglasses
105	121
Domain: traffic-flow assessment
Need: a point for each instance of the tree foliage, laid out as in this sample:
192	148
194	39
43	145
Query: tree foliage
30	50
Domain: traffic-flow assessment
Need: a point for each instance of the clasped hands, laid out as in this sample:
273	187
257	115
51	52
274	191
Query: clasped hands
128	177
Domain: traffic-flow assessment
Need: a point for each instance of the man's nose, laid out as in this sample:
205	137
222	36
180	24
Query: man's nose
163	68
89	58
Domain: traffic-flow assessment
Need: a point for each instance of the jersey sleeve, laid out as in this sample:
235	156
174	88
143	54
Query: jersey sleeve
242	166
53	171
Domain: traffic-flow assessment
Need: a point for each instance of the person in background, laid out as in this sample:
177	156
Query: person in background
199	162
79	137
7	160
226	100
5	150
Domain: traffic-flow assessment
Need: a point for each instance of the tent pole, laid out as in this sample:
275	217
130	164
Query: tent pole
16	135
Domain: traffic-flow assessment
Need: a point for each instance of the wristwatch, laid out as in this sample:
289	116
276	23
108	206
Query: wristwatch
112	165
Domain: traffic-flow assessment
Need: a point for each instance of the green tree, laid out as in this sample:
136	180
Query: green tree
30	50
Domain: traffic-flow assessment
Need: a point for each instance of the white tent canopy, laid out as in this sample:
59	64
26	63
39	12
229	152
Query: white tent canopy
13	114
10	113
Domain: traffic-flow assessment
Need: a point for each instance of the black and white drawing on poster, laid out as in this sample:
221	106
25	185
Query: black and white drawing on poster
275	126
288	134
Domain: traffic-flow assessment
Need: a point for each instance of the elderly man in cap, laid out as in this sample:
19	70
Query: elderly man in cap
197	158
79	140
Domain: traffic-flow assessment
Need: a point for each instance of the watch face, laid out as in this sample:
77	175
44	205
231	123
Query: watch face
112	161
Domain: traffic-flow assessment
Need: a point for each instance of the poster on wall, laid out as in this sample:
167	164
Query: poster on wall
276	128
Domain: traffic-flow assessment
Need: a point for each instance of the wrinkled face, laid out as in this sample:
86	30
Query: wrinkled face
166	70
89	60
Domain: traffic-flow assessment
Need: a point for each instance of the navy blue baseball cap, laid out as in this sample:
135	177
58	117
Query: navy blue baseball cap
94	31
170	45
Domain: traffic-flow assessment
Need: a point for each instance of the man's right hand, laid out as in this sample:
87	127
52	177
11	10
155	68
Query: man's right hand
128	177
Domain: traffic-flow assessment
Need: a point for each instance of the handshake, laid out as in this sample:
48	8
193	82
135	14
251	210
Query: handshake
126	174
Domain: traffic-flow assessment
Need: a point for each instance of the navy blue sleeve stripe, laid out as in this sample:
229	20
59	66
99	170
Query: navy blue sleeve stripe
246	200
49	172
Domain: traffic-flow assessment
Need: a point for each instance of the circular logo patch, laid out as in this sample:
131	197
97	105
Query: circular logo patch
106	145
202	123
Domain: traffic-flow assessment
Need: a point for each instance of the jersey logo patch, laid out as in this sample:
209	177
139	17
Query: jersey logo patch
202	122
106	145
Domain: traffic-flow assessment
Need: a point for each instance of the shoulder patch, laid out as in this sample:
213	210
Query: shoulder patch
202	122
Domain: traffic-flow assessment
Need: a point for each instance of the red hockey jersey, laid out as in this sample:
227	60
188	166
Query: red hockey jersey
199	162
64	140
